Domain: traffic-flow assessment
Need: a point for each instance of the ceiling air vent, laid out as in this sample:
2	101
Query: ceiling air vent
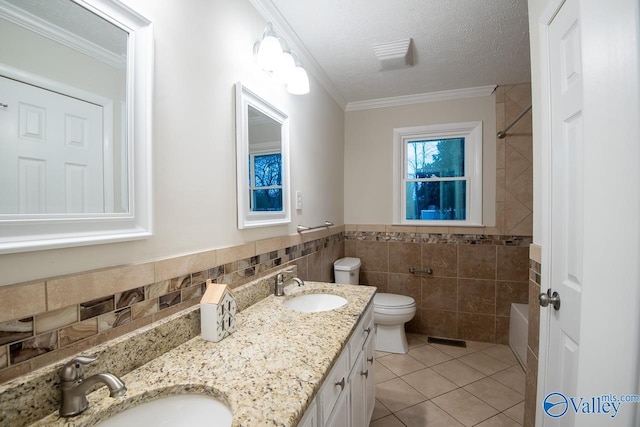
395	54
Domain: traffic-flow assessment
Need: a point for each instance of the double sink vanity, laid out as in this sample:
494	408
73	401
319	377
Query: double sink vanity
304	359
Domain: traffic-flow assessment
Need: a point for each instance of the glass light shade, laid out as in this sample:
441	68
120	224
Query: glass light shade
299	83
269	53
284	71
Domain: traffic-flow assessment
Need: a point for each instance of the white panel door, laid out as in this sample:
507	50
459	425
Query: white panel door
590	133
567	207
51	152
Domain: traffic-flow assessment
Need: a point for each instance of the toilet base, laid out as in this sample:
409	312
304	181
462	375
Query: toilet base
391	338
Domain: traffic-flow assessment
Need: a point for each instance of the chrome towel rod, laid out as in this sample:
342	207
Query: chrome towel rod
302	228
414	271
503	133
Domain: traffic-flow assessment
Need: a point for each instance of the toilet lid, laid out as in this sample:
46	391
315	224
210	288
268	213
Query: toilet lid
392	300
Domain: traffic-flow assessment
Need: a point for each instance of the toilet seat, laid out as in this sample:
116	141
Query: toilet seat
395	311
393	301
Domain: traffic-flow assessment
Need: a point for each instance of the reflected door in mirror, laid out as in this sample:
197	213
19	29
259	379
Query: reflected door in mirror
51	156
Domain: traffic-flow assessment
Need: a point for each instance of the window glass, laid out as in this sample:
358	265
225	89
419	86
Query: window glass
265	182
431	194
436	200
435	158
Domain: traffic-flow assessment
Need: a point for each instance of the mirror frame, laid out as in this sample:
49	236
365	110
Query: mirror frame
246	217
49	231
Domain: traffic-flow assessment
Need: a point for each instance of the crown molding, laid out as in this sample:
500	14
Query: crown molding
46	29
271	13
445	95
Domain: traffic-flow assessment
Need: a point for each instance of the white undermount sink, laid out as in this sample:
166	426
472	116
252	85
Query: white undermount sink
313	303
188	410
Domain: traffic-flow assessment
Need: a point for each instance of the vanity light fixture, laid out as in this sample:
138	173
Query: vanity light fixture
299	81
283	64
283	71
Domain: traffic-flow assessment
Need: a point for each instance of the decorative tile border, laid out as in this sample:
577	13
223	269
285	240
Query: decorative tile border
535	269
461	239
25	342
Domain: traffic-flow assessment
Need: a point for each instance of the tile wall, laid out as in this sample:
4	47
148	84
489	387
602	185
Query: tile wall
474	279
45	322
534	331
514	162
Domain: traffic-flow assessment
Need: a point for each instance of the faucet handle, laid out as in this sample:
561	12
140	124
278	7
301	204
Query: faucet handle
74	369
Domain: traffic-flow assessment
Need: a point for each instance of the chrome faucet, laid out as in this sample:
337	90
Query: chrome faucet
74	386
281	283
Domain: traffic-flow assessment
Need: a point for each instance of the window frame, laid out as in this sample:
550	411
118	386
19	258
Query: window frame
472	134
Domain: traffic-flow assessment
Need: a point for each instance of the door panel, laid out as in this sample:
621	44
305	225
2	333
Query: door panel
51	152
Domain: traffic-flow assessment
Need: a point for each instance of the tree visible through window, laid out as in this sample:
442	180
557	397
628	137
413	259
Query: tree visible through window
265	182
435	181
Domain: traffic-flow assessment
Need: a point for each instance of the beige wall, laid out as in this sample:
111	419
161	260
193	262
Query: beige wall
201	49
369	152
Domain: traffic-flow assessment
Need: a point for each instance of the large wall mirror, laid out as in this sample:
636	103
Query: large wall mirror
75	123
262	150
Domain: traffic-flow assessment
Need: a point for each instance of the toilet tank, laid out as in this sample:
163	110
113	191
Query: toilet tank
347	270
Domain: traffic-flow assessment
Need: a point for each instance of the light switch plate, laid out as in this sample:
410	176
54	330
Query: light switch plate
298	200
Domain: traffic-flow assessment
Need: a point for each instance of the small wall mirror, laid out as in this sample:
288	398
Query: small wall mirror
75	120
262	155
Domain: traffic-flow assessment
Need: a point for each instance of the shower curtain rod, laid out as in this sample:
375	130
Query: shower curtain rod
503	133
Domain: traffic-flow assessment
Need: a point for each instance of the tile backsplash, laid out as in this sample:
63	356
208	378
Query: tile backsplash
475	278
42	323
37	394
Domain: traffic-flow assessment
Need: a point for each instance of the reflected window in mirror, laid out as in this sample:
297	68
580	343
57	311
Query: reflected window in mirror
262	163
265	162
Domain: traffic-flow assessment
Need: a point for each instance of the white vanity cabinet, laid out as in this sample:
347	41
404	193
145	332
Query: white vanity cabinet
347	396
362	380
310	418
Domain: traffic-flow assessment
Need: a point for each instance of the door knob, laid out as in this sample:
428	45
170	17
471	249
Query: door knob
549	298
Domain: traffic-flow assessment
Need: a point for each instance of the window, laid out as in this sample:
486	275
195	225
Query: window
438	174
265	182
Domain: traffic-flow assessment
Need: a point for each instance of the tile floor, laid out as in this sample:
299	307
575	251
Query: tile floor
437	385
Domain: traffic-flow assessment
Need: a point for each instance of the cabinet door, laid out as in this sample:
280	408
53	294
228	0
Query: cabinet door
369	362
340	415
335	385
357	382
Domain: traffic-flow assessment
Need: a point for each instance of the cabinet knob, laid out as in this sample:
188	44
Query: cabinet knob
341	384
365	373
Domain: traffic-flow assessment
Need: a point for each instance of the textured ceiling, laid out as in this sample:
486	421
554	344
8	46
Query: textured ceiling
457	43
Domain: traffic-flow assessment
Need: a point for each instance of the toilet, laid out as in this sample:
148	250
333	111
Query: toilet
390	311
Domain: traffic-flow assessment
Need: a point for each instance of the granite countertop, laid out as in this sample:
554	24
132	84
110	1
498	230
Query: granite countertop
267	371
